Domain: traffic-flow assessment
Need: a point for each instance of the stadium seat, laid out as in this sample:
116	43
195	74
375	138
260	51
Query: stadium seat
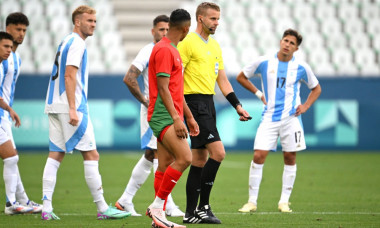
111	40
308	26
223	39
239	26
352	26
258	12
230	59
369	11
324	11
268	41
373	27
44	57
56	8
248	55
40	38
343	61
74	4
33	8
331	26
279	11
302	12
312	42
106	23
347	10
262	27
364	57
60	27
233	11
283	24
336	41
244	41
359	41
9	6
38	23
376	43
102	7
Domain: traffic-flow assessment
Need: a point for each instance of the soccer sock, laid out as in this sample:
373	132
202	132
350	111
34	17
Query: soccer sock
49	179
94	183
193	188
255	176
155	165
288	178
170	202
139	175
171	176
158	176
207	181
10	177
21	196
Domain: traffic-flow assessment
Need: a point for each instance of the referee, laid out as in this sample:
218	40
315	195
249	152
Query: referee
203	63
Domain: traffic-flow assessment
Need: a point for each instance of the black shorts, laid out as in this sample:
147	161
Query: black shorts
203	109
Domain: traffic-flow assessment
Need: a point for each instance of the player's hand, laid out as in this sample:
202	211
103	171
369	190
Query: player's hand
263	100
180	129
244	115
15	117
193	126
301	109
74	120
146	102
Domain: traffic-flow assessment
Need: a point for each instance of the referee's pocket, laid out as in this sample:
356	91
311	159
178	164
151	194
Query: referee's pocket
202	109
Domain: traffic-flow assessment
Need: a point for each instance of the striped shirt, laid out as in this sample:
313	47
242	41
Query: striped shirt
71	52
281	83
10	72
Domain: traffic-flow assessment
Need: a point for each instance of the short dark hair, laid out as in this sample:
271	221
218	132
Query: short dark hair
17	18
204	6
6	36
160	18
178	16
292	32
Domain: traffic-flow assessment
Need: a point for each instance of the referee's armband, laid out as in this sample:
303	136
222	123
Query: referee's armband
234	101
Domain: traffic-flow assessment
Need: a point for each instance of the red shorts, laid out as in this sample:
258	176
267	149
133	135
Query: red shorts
162	133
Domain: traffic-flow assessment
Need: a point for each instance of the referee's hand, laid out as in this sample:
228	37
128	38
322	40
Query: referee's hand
193	126
244	115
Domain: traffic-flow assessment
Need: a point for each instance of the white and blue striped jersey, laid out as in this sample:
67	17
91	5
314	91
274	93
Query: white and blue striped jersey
10	73
141	62
281	83
71	52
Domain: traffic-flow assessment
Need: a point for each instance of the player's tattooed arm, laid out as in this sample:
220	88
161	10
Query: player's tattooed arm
130	79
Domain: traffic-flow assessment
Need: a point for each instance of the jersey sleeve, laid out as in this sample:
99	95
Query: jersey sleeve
253	68
184	49
75	54
163	62
142	59
309	77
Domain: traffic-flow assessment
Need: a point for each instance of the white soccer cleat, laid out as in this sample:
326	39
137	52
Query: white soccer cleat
174	211
16	208
37	208
248	207
284	207
129	207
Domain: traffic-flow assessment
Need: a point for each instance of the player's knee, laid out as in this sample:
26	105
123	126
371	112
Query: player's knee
219	156
149	155
259	158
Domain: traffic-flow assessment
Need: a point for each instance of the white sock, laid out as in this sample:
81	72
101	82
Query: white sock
158	203
94	183
170	202
255	176
139	175
155	165
288	178
20	191
49	179
10	177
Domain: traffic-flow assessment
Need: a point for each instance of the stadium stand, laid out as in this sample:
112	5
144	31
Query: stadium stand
341	37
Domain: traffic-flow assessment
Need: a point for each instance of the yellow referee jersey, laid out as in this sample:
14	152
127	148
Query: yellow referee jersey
202	60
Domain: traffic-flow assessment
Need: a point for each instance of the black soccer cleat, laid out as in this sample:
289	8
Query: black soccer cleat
206	215
191	218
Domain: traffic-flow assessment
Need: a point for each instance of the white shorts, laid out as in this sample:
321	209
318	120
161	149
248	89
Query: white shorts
6	132
148	140
290	131
65	137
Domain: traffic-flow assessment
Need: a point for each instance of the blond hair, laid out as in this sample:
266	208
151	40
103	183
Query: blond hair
204	6
81	10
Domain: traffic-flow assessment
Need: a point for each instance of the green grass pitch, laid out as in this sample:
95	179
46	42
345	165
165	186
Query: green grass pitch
331	190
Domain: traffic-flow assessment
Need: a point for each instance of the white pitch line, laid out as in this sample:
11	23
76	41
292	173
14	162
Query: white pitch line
265	213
